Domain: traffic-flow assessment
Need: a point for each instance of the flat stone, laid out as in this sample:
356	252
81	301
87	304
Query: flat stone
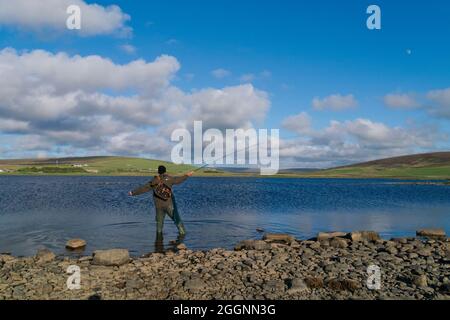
330	235
181	246
364	235
112	257
74	244
279	237
431	233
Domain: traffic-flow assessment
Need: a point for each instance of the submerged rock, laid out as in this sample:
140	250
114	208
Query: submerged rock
113	257
74	244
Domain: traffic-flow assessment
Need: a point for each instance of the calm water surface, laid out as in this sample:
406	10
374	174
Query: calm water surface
37	212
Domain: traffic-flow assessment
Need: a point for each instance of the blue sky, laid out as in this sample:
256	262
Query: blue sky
387	84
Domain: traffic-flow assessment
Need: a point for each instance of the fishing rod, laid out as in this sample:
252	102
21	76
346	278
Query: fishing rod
207	164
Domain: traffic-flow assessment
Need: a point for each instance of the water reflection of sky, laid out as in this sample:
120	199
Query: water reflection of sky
44	212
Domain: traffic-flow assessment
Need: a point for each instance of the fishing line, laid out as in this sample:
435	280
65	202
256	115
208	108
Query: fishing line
228	154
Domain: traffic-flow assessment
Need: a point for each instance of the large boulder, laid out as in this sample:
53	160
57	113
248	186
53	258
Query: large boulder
279	237
431	233
364	235
112	257
75	244
321	236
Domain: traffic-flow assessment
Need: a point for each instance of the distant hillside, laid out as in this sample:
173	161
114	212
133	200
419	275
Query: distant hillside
421	166
89	166
415	160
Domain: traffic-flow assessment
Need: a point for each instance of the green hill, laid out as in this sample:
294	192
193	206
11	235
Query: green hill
89	166
419	166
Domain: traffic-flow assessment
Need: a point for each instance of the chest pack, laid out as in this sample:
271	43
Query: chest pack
161	190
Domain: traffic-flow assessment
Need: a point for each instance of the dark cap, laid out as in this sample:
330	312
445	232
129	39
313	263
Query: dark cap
161	169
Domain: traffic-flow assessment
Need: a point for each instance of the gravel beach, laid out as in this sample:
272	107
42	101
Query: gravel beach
331	266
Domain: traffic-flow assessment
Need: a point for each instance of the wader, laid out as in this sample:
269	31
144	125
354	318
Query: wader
162	206
169	208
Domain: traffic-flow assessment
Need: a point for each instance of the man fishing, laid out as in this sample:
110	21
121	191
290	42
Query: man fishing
164	199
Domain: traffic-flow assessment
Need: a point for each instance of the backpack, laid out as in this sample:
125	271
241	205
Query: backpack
161	190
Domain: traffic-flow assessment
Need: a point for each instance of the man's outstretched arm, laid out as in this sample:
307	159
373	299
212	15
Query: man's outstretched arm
181	179
145	188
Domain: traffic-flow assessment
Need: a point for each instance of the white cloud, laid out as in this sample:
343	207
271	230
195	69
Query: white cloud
56	103
352	141
51	14
248	77
300	123
128	48
212	106
401	101
220	73
335	102
441	99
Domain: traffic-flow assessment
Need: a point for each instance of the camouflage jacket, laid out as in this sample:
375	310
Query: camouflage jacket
149	186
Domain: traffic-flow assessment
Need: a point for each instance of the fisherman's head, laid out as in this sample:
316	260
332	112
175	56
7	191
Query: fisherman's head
161	170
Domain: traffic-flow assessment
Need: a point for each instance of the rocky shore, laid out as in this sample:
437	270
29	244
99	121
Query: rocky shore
331	266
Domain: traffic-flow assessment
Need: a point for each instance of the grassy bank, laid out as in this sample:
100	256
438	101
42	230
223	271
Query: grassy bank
434	166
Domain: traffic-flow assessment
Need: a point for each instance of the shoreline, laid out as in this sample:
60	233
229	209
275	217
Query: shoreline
332	266
441	181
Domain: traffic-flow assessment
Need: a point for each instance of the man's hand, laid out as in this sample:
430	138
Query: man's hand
189	174
130	193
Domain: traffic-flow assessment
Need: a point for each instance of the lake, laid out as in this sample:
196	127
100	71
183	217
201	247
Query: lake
38	212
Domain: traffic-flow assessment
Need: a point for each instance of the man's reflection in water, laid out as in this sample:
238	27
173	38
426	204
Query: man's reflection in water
159	243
